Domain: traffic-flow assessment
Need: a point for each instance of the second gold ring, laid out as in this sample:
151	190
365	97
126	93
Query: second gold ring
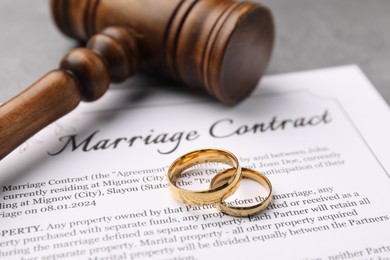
245	211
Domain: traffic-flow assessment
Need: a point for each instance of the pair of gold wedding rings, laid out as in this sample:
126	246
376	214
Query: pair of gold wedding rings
222	186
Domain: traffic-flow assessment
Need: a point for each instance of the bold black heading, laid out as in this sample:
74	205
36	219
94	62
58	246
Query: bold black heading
167	143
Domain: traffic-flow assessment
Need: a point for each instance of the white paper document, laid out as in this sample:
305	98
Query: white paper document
93	185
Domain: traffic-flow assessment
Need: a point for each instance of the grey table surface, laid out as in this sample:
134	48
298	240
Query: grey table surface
311	34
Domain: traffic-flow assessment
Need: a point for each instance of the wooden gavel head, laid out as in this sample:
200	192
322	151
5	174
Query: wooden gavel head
222	46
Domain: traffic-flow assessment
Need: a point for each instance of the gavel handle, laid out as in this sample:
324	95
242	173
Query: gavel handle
84	74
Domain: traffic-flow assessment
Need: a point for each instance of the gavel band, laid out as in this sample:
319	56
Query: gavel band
222	46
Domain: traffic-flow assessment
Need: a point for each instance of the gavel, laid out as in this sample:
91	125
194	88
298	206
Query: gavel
221	46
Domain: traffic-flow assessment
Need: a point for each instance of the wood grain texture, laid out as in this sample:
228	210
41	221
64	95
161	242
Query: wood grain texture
84	74
51	97
222	46
120	50
90	69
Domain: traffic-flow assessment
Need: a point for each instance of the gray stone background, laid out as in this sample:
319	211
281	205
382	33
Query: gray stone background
311	34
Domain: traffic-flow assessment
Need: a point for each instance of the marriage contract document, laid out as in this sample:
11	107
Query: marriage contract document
93	184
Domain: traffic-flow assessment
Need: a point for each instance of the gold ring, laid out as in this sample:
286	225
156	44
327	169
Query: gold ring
212	195
239	211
